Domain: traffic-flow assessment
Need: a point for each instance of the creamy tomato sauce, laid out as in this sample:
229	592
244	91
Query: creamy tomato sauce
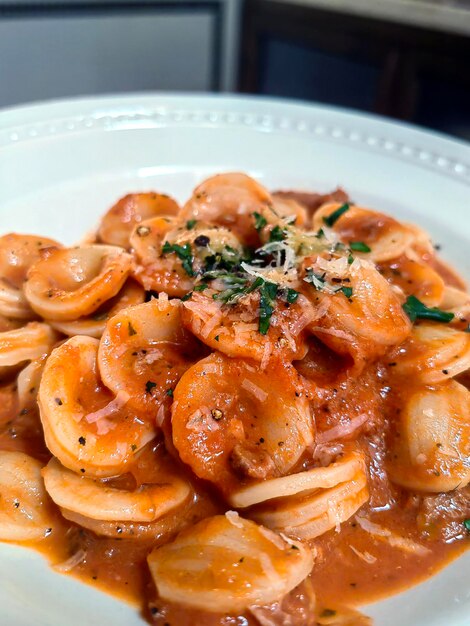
259	381
350	564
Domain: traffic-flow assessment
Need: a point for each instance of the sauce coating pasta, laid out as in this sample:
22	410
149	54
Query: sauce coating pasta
251	409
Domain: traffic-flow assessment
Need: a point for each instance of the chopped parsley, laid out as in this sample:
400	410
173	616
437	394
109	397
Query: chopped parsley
466	523
260	221
169	392
190	224
201	287
277	234
334	217
359	246
183	252
268	292
348	292
149	385
187	296
415	310
350	259
292	295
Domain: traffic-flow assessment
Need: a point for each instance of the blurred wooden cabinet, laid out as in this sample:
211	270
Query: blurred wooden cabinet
67	48
344	53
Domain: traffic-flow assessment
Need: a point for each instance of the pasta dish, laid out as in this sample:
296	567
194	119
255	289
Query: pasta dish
249	410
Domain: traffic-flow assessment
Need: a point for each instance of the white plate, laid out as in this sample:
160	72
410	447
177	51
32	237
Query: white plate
62	164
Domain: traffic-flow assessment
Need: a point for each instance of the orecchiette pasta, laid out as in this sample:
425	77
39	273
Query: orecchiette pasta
227	424
228	200
431	449
69	283
93	325
310	514
309	480
433	353
365	325
25	514
95	499
118	223
17	254
144	351
290	357
226	563
385	237
89	429
24	344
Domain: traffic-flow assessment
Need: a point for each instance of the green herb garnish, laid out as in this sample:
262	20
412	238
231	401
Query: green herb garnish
190	224
415	310
201	287
260	221
277	234
149	385
169	392
466	523
268	292
359	246
334	217
292	295
348	292
184	253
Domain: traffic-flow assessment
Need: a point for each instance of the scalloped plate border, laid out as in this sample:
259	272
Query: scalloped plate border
426	149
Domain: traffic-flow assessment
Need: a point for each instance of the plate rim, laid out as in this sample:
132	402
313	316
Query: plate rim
406	142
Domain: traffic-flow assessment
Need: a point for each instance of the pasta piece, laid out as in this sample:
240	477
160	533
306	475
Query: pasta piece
433	353
144	351
228	425
24	344
226	563
118	223
457	302
162	245
154	270
414	279
363	322
158	532
317	478
229	200
72	282
17	254
234	329
85	426
28	383
311	514
291	210
93	326
431	447
25	513
386	238
96	500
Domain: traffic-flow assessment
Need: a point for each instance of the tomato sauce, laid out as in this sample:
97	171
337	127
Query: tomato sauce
350	564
